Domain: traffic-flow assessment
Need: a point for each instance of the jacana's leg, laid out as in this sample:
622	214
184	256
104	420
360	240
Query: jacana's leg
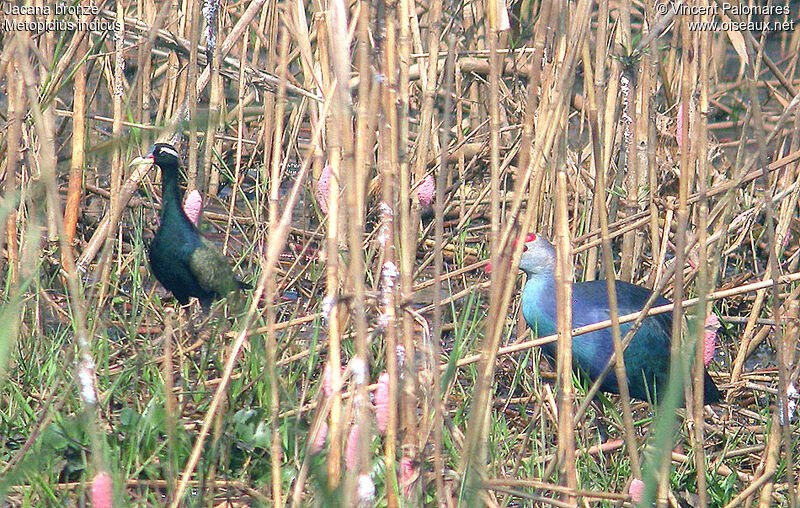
199	326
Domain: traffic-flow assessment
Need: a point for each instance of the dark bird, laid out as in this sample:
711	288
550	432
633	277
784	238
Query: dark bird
183	261
648	355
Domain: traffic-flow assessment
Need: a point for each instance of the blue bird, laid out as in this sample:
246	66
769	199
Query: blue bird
647	357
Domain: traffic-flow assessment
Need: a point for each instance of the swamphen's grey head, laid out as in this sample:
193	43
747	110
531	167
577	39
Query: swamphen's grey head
162	155
538	255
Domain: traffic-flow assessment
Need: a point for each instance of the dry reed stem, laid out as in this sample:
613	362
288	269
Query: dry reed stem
608	265
21	44
564	274
698	382
338	41
16	107
388	160
191	30
276	451
170	404
441	182
74	192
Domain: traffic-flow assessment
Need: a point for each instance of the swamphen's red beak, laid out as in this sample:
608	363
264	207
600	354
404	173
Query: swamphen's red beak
528	238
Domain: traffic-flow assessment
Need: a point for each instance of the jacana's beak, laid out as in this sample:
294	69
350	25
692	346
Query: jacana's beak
147	159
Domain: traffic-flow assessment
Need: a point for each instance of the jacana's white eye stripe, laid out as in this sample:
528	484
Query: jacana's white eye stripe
170	151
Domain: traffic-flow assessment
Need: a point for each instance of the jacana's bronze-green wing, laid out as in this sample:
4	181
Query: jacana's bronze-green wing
212	270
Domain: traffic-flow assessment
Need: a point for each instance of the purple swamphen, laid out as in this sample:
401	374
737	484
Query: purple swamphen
185	262
647	357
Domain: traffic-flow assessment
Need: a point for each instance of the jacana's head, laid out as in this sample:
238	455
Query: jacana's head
162	155
538	255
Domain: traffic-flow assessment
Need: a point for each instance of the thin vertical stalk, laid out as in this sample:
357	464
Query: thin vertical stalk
598	206
144	64
276	453
494	172
170	404
563	273
643	195
698	372
600	67
355	197
780	413
237	171
117	169
628	172
494	130
616	333
429	73
210	172
462	189
339	134
85	371
16	112
388	162
677	370
193	35
304	170
76	163
269	105
438	268
334	332
407	232
652	178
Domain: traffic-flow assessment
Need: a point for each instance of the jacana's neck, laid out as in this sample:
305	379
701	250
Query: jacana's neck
171	192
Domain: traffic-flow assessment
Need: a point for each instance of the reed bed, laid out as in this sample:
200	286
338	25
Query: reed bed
375	363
